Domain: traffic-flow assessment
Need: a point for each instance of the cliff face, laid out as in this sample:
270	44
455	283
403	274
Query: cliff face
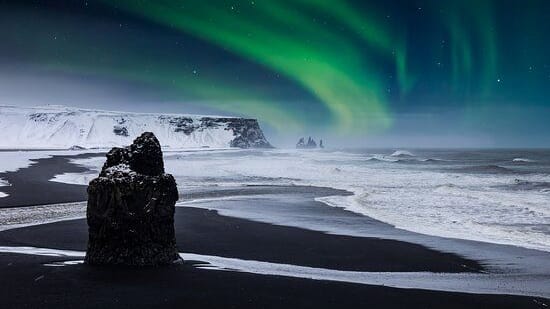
247	133
63	127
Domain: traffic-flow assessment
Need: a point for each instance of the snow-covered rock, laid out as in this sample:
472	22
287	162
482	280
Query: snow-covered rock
131	207
65	127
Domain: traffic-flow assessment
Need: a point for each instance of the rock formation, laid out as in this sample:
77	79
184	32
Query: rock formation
63	127
131	208
303	145
311	143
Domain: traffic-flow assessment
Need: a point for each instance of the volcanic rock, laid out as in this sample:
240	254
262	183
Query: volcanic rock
131	208
303	145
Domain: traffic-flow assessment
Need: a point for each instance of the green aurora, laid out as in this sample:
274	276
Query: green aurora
343	78
345	66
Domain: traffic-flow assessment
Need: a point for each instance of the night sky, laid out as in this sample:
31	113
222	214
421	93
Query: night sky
369	73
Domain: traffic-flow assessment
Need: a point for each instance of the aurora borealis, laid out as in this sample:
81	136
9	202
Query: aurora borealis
360	69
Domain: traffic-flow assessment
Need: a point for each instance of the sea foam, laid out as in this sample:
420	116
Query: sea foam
443	198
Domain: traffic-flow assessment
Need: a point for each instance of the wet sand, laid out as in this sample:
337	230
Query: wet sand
206	232
32	185
27	283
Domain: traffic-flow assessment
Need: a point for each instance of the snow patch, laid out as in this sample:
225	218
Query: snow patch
55	127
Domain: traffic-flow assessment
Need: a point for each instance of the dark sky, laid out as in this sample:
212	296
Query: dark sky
368	73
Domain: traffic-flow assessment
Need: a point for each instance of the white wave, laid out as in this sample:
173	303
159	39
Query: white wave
16	217
382	158
433	202
11	161
522	160
402	153
454	212
75	178
3	183
42	251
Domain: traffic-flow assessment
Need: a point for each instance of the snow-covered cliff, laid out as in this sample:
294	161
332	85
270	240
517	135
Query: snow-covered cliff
65	127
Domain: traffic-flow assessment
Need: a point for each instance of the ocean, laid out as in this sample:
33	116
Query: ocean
497	196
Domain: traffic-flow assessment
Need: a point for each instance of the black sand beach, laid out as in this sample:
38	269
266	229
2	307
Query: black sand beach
206	232
27	283
31	185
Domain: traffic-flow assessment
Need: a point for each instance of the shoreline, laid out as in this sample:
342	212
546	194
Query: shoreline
261	227
215	229
188	285
24	183
203	233
41	171
248	240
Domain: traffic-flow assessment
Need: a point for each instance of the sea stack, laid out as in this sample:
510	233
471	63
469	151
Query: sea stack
309	145
131	208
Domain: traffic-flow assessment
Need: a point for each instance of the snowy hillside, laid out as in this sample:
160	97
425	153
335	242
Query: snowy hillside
64	127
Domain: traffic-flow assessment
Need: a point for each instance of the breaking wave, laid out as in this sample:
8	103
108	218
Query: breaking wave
487	169
470	195
525	185
401	153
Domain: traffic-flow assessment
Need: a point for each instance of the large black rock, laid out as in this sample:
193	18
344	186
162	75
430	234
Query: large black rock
131	208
